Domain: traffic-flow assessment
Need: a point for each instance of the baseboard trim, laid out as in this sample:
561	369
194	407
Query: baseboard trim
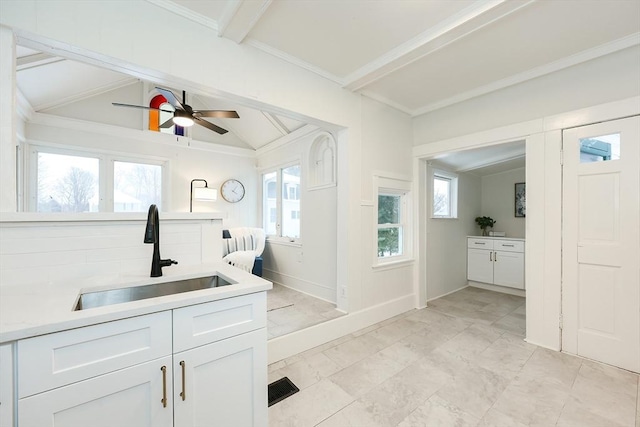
448	293
495	288
296	342
527	340
301	285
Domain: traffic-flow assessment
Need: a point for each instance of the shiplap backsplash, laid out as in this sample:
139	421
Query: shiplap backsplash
51	252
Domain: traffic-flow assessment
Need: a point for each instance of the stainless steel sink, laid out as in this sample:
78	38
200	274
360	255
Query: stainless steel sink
117	296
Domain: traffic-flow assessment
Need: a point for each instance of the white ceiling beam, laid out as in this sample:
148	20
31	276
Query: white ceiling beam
36	60
578	58
240	17
280	127
478	15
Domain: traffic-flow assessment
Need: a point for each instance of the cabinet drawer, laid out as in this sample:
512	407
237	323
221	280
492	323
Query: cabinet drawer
479	243
509	245
54	360
205	323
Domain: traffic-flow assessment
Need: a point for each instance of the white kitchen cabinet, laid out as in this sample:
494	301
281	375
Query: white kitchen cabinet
223	383
204	364
127	397
496	261
7	399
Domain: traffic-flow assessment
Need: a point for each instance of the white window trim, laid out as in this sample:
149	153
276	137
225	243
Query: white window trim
278	239
453	196
394	185
106	161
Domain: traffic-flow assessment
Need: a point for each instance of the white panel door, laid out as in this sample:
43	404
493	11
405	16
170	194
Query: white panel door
223	383
130	397
601	242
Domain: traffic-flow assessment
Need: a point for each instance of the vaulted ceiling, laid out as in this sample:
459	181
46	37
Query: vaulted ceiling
414	55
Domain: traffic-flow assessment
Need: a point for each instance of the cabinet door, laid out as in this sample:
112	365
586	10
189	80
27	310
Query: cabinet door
224	383
6	385
508	269
480	265
128	397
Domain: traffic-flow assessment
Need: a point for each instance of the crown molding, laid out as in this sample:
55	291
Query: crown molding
569	61
387	101
186	13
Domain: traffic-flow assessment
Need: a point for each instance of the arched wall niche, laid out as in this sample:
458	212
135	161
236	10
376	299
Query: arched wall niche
322	161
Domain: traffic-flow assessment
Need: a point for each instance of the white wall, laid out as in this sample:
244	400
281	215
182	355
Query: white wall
446	240
309	266
99	245
497	201
386	152
203	161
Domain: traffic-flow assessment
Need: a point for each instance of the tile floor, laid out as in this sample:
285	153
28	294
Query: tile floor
460	362
289	311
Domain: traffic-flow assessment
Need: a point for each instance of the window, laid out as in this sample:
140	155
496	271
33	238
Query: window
66	183
393	225
389	225
445	194
281	202
74	181
136	186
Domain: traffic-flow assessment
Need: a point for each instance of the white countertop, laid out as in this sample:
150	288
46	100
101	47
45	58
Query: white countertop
27	311
497	238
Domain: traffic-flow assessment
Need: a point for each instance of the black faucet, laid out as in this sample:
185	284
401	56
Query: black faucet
152	235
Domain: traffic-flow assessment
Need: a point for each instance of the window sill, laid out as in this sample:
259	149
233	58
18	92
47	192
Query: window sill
389	265
284	242
444	217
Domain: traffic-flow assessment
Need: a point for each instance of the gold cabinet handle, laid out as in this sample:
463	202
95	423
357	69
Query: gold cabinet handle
183	394
164	386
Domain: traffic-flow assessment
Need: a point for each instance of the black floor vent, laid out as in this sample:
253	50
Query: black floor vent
281	389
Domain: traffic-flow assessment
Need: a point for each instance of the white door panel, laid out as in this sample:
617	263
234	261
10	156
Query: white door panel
601	242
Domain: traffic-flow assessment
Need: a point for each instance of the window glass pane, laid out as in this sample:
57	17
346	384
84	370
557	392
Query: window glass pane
291	201
136	186
600	148
389	241
388	209
67	183
441	196
270	217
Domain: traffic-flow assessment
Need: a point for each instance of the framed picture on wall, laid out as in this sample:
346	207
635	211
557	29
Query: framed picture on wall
520	200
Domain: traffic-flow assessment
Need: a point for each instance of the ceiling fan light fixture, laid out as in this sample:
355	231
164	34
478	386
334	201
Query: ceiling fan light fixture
182	118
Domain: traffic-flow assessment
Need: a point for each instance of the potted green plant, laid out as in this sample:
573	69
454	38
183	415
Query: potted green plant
485	222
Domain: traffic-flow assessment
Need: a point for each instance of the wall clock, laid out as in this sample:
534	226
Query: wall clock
232	190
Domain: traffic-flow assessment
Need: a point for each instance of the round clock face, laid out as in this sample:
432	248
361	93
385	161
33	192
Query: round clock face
232	190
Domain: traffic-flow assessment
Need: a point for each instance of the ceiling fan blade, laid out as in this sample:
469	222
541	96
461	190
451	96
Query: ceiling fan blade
226	114
171	98
167	124
117	104
210	125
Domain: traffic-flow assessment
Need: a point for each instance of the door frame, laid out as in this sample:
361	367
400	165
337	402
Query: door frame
543	269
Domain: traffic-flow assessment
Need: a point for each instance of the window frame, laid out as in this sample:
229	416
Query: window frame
436	173
106	161
394	186
280	189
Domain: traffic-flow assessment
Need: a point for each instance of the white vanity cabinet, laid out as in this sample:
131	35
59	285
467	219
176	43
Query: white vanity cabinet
204	364
496	261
